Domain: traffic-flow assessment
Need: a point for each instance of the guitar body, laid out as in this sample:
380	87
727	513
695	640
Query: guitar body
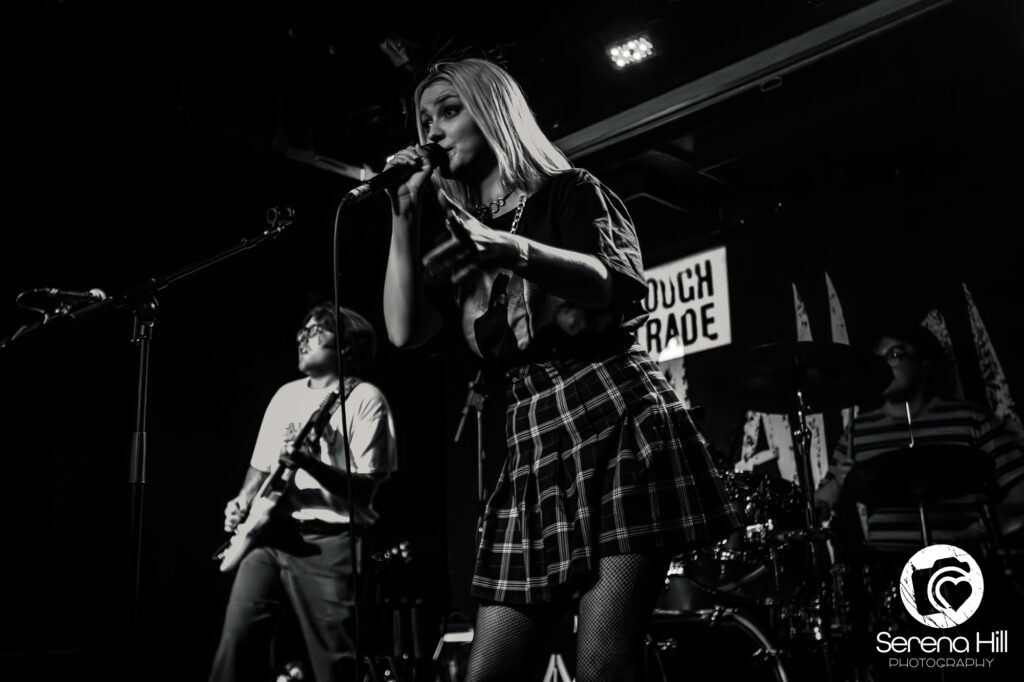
248	531
263	503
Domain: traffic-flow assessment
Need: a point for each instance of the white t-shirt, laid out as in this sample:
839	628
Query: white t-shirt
371	432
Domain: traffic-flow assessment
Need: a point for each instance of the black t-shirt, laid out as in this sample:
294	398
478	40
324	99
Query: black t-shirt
510	320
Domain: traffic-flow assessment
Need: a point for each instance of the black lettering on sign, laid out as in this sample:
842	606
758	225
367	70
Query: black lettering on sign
706	320
688	326
653	335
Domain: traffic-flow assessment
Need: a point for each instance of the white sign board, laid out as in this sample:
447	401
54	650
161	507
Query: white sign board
688	303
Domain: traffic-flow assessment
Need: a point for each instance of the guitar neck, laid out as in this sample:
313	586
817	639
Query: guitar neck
281	475
276	480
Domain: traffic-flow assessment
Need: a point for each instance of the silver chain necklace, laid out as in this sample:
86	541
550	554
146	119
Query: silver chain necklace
519	214
486	211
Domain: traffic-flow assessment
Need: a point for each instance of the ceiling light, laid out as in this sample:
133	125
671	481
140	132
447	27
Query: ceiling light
631	50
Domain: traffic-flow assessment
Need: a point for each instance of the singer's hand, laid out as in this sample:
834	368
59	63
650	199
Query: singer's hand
472	245
404	197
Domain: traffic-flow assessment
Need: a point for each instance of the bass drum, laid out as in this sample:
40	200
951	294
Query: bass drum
709	645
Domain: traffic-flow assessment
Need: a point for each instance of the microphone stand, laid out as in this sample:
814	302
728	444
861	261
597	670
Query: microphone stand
475	400
23	330
142	300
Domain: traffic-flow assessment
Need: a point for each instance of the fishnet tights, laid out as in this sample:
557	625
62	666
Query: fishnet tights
613	615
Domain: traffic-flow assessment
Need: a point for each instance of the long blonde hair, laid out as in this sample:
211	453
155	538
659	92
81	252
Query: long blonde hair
525	156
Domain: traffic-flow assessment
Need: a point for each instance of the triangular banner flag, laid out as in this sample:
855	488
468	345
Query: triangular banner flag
997	390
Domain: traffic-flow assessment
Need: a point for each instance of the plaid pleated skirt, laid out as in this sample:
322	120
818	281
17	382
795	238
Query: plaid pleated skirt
602	459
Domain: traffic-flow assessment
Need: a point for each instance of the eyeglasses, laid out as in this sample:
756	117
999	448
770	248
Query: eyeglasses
895	355
317	330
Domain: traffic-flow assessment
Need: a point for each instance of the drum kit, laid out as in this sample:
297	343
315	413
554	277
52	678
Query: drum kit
770	601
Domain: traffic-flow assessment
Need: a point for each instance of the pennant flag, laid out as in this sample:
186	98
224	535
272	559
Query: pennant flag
936	324
997	390
672	362
839	335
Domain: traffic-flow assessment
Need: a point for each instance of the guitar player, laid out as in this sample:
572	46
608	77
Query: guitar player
302	557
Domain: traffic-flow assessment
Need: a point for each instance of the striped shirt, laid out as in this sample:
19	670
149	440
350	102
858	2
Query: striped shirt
942	423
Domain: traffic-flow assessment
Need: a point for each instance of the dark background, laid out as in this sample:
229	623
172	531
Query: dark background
141	138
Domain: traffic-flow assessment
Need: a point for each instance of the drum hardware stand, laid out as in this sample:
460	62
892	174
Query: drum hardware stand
802	441
475	397
773	557
382	669
995	542
785	378
840	621
463	636
766	656
556	671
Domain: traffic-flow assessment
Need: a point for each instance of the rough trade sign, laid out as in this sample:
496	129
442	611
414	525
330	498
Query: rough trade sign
688	302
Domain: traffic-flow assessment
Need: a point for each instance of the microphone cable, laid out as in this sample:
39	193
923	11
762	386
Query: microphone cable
339	357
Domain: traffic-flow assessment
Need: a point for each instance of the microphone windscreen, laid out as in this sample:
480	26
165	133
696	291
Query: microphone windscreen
436	152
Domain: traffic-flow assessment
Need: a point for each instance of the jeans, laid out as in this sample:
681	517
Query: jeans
312	572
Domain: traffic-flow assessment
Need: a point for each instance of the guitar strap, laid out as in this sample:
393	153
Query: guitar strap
350	385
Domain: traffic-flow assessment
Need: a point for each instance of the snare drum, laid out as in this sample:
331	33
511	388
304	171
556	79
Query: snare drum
707	645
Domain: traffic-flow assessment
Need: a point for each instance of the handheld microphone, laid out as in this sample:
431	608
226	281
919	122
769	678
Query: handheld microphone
50	300
396	175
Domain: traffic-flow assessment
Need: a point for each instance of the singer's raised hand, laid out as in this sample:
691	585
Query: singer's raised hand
403	198
472	245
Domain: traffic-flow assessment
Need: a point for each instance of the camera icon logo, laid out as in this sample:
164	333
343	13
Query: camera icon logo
941	586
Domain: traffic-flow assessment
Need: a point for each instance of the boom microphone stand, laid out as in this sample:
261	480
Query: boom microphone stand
141	298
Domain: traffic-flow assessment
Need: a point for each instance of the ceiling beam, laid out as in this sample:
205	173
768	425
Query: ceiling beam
348	170
763	70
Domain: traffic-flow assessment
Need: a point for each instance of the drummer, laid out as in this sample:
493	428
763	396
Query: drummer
917	409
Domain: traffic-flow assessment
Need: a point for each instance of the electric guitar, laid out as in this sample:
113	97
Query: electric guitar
266	498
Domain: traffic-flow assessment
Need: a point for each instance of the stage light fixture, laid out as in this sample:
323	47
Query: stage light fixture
631	51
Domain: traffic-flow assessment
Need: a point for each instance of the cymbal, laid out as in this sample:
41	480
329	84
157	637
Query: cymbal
921	473
828	376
